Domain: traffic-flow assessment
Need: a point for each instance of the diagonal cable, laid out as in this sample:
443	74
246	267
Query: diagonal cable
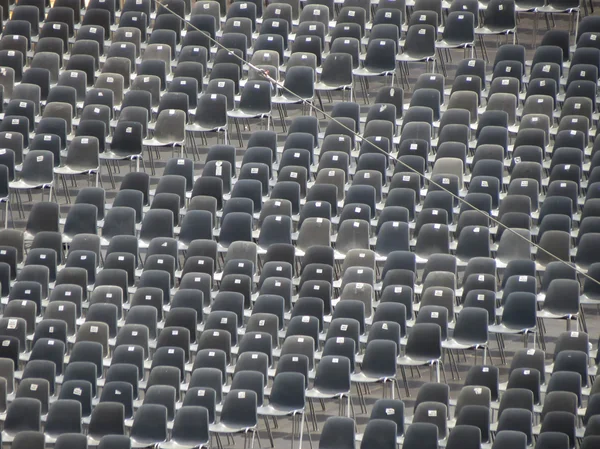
359	136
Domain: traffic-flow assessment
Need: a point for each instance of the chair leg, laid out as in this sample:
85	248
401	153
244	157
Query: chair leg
295	430
20	204
305	420
406	389
267	425
535	28
239	132
312	413
110	174
576	23
582	319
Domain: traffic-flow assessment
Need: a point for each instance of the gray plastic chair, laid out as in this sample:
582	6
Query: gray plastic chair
37	172
239	414
338	433
190	428
169	130
82	158
149	425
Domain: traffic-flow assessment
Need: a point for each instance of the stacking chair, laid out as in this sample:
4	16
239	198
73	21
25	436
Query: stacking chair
82	158
338	432
37	173
332	381
419	46
239	414
423	348
255	102
499	19
380	60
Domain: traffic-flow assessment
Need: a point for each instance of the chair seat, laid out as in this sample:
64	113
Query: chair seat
23	185
67	170
243	114
201	129
222	427
455	344
324	86
181	444
493	31
159	143
313	393
503	329
110	156
556	315
288	99
556	9
410	361
405	57
450	44
364	378
364	71
269	410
